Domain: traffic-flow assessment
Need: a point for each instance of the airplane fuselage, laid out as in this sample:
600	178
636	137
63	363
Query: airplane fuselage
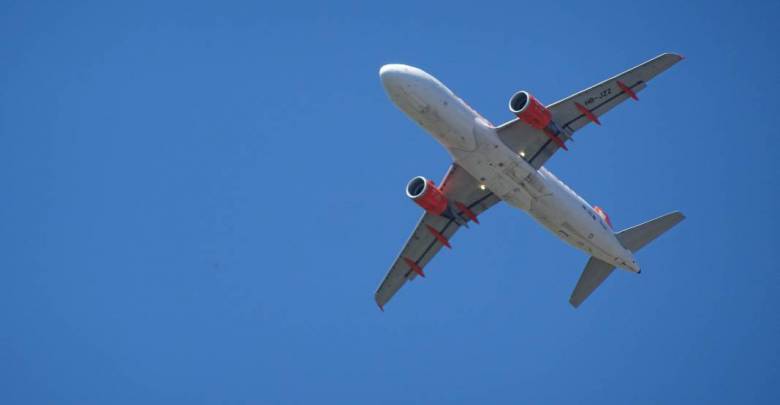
473	143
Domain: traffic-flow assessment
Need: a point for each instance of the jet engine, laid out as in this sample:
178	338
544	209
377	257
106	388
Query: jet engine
425	194
529	110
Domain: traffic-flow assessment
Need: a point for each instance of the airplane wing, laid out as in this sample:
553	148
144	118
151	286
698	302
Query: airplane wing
577	110
434	231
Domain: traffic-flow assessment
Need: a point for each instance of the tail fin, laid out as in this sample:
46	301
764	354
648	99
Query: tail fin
633	239
638	236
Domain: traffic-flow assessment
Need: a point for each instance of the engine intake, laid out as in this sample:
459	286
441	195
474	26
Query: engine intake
425	194
529	110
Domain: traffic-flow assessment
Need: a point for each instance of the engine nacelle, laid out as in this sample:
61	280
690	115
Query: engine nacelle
425	193
529	110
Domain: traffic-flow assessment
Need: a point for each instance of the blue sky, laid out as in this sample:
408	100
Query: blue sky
199	201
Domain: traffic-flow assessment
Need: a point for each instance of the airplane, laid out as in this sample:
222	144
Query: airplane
505	163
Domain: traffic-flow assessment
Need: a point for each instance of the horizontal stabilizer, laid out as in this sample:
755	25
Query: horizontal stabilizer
596	271
638	236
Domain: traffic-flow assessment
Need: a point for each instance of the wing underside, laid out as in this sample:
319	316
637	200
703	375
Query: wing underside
467	199
579	109
434	231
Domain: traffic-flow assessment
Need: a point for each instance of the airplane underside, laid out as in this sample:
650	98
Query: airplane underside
505	163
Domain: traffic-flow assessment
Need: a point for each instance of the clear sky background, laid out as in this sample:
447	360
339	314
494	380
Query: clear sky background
199	200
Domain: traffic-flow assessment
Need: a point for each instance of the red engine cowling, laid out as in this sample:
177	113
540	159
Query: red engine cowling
424	192
529	110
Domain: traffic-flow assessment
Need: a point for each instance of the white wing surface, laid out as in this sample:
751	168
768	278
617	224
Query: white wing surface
433	231
579	109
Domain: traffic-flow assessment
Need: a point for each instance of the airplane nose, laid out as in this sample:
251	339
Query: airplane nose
390	69
390	74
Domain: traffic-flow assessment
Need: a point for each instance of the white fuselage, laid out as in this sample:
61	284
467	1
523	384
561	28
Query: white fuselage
474	145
